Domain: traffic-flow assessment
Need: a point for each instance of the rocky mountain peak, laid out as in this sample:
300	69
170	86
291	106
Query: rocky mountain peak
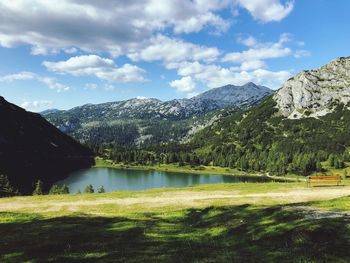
235	95
314	93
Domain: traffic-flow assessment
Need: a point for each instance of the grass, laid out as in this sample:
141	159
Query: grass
162	227
170	168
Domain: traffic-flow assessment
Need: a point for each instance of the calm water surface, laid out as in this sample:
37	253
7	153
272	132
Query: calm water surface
115	179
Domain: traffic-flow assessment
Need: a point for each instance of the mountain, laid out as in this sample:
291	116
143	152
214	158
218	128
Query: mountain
231	95
48	111
31	149
137	121
305	123
316	92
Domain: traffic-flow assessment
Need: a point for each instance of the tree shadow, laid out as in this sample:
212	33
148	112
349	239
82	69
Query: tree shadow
214	234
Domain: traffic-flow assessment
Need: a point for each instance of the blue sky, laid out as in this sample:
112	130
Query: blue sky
75	52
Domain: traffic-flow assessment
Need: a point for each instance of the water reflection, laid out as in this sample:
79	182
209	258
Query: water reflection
114	179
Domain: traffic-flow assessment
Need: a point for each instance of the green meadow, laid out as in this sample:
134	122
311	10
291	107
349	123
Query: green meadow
244	222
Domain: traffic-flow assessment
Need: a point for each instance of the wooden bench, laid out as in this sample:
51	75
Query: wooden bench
323	180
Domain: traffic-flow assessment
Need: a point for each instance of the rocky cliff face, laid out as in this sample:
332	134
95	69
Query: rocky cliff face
314	93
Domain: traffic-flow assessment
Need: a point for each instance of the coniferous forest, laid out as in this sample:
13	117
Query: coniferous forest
252	140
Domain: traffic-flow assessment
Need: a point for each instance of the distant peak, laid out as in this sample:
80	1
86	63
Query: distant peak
250	84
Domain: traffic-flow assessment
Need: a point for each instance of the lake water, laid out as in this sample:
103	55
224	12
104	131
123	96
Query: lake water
115	179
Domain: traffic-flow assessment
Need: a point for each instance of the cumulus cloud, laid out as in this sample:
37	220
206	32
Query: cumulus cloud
93	65
144	30
260	51
111	26
48	81
215	76
174	50
116	26
185	84
37	104
247	41
267	10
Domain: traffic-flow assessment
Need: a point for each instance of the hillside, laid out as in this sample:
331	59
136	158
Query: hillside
305	123
150	121
268	137
32	149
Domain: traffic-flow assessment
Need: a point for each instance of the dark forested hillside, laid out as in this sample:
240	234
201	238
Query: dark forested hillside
32	149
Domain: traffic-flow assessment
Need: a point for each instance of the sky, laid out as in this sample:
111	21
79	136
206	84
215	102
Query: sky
62	54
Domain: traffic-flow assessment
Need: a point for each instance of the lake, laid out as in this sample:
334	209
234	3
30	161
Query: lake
118	179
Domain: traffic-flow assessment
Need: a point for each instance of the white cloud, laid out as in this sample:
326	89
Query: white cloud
117	26
25	75
52	84
102	68
112	26
302	53
196	24
252	64
260	51
267	10
215	76
174	50
185	84
37	104
247	41
141	97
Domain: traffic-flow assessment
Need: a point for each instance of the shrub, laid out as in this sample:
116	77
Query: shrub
89	189
101	189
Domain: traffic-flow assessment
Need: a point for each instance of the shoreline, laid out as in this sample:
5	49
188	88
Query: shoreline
212	170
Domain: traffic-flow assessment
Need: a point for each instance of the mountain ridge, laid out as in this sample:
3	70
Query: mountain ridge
139	117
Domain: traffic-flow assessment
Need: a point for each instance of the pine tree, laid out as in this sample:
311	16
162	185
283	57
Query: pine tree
318	167
331	160
5	188
38	188
64	189
54	190
89	189
101	189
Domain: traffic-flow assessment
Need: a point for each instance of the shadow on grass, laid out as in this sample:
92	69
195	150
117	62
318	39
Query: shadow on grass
214	234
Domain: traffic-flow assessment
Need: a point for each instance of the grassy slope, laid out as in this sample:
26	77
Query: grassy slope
207	223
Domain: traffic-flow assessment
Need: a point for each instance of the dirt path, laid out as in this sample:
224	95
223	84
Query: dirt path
182	198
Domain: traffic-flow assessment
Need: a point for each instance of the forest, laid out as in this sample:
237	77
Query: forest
254	140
